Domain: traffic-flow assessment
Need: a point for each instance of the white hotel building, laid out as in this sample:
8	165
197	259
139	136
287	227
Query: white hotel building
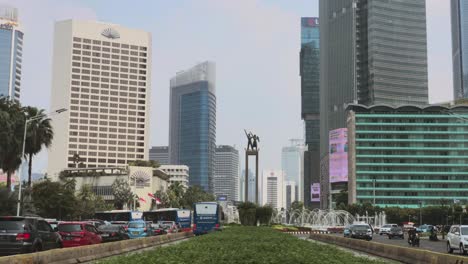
102	75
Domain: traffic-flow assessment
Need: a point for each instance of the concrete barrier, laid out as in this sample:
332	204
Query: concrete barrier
398	253
92	252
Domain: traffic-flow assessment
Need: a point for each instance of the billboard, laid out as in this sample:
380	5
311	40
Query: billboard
338	158
315	192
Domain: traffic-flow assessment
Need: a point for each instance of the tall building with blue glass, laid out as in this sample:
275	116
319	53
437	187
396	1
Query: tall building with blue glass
192	124
11	53
460	48
310	105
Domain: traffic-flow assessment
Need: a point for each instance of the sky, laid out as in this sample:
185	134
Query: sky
255	44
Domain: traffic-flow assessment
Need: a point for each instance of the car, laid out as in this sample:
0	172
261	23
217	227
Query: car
385	229
346	231
112	233
26	234
158	230
396	232
457	238
361	231
169	226
53	223
139	228
77	234
424	228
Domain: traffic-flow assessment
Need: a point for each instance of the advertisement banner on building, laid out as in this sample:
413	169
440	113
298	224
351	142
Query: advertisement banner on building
338	158
315	192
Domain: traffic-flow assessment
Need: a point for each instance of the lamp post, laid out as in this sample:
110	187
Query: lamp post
18	207
374	181
420	213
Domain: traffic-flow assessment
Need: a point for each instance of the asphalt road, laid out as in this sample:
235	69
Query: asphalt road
436	246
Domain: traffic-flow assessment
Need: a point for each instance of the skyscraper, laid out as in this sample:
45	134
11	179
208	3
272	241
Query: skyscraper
159	154
372	52
252	186
11	53
292	163
192	124
101	74
310	94
460	48
226	176
273	188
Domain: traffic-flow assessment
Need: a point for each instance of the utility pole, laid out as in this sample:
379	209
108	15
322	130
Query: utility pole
374	180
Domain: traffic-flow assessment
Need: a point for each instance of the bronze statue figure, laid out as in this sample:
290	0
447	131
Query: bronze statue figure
252	141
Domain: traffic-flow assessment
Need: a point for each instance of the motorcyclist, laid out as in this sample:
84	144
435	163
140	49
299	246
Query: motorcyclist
433	235
412	236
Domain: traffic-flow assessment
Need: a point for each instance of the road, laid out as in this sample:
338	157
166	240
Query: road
436	246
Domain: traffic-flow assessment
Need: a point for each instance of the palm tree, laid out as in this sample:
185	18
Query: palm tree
39	134
11	135
175	192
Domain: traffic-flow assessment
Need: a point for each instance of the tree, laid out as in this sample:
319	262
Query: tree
8	201
89	203
195	194
163	198
39	134
11	134
297	205
342	198
54	200
144	163
122	193
175	194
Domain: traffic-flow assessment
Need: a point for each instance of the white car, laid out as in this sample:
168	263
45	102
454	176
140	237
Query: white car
457	238
385	229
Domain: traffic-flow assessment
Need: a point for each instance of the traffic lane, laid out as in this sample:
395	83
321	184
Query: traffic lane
436	246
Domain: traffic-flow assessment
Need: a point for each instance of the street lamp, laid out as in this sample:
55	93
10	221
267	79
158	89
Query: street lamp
420	213
56	112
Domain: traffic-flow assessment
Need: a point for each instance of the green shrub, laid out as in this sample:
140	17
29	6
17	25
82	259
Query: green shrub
264	214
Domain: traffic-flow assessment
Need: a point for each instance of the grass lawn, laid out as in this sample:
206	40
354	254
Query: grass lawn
243	245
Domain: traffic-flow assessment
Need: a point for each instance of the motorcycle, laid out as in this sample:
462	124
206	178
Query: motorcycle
413	240
433	236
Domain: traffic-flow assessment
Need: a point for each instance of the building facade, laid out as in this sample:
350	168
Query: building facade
407	156
142	181
226	176
290	193
292	163
159	154
272	189
102	75
192	124
459	15
372	52
11	53
176	173
310	106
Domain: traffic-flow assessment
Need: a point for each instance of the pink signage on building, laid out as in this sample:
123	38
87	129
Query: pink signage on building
338	158
315	192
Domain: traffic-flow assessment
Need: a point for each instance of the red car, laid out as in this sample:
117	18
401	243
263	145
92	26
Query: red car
76	234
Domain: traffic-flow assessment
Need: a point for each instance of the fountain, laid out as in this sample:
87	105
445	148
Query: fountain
324	219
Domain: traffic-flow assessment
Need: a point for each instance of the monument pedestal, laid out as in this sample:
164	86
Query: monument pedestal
248	153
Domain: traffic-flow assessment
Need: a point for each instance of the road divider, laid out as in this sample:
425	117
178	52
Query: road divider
398	253
92	252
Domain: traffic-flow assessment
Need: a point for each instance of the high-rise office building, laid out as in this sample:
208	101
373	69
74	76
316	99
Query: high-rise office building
292	163
101	74
192	128
290	193
11	53
160	154
226	176
310	95
272	189
176	173
252	186
371	52
460	48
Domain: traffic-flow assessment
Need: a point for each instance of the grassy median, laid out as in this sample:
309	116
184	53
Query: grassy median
243	245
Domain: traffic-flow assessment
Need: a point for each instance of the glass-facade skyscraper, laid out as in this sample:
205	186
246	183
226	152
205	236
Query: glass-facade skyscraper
292	163
192	124
226	177
310	104
459	16
372	52
11	53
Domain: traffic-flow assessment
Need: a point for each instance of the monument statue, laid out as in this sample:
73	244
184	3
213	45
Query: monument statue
252	141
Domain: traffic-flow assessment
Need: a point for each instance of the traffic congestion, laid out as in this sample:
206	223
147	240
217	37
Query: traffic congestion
29	234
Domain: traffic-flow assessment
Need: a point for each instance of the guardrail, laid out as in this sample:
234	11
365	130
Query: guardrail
398	253
92	252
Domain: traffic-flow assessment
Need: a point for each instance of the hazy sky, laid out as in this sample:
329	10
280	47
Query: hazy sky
255	44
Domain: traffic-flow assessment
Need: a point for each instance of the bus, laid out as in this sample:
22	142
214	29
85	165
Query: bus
206	217
118	216
180	216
